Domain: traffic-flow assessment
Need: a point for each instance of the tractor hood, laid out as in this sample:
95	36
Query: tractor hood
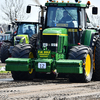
55	31
55	39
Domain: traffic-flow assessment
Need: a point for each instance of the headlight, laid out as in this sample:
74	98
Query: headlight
54	44
45	44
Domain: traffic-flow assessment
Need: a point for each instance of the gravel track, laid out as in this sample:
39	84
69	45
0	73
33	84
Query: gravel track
43	89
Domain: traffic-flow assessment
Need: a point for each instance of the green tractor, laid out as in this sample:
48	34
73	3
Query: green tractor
22	32
64	46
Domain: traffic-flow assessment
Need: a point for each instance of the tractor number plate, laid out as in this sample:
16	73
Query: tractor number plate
42	65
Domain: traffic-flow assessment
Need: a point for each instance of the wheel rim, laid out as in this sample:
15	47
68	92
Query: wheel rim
88	65
31	71
31	55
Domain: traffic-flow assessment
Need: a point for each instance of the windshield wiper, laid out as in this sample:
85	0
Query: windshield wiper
69	13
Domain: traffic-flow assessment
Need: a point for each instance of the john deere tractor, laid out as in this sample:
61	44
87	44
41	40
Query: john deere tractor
22	32
67	46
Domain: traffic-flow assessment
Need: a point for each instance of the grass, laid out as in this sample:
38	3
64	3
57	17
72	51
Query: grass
5	72
1	72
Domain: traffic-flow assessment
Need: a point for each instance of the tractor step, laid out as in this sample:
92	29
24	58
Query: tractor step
69	66
18	64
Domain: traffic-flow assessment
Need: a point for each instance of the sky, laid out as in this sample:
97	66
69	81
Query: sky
34	13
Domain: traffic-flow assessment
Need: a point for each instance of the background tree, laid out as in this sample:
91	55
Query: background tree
37	1
13	9
95	20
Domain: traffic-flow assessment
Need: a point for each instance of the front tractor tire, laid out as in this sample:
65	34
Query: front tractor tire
33	42
22	51
5	51
85	54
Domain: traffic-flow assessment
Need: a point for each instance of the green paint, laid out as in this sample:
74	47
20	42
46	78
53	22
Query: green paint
69	66
65	3
62	40
57	56
86	37
22	39
48	65
18	64
62	66
56	31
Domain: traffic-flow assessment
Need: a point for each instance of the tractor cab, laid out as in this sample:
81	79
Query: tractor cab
65	24
71	16
66	17
25	30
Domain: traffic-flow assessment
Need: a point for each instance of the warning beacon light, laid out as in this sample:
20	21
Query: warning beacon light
52	0
79	1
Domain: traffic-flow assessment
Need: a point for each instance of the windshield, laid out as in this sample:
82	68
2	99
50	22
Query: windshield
28	29
62	17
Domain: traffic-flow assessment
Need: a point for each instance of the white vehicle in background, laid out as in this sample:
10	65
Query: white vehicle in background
2	30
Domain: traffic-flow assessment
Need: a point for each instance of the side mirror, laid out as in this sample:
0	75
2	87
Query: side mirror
9	26
76	0
95	10
28	10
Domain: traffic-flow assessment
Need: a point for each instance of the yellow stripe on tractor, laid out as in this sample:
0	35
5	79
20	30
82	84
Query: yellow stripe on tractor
55	34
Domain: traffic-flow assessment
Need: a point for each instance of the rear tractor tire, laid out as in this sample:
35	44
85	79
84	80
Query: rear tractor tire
85	54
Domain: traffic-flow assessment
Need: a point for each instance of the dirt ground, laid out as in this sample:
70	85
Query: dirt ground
43	89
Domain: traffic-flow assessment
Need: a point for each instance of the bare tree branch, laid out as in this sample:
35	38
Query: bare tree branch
37	2
95	20
13	9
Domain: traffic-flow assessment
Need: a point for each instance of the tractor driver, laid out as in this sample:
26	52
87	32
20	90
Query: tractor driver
66	19
29	31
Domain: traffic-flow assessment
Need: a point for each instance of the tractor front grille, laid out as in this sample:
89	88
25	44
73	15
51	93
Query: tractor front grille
73	37
50	39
